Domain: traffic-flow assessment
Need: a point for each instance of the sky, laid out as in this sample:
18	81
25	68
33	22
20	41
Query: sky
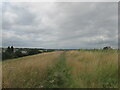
60	24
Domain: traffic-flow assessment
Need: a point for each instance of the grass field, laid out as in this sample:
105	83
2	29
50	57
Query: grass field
63	69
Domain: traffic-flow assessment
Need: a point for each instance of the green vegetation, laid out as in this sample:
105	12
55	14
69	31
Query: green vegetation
63	69
59	76
11	52
94	69
29	71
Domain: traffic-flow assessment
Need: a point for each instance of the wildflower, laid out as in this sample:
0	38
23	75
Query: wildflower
52	81
41	86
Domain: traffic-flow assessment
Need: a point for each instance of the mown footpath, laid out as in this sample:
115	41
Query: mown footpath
59	76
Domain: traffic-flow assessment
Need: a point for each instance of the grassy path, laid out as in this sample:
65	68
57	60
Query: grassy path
59	76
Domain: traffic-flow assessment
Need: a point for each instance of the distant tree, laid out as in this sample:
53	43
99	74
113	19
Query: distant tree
12	49
33	51
7	55
50	50
107	48
8	49
18	54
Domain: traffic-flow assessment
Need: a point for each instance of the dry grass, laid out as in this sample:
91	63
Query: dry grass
28	71
92	69
75	69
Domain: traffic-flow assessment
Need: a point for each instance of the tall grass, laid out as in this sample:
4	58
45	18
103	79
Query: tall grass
28	72
71	69
98	69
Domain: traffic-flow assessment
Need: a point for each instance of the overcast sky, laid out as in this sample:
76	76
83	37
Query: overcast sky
60	25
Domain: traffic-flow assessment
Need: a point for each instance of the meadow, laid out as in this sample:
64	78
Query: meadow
63	69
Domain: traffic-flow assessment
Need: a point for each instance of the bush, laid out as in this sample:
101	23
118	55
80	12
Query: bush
33	52
19	54
7	55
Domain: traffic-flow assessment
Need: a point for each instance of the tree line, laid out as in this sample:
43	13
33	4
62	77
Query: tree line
11	52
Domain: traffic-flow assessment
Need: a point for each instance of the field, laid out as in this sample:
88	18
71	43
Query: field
63	69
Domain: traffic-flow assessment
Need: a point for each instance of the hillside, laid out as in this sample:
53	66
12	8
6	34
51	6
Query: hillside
71	69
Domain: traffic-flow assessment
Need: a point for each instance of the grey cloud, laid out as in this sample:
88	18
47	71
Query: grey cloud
60	25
